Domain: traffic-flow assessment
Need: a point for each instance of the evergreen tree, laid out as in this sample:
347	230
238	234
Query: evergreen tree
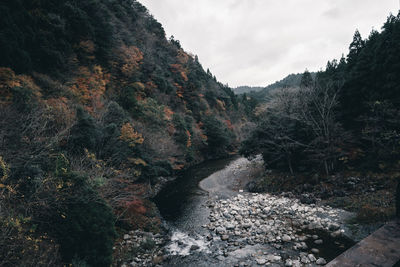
306	80
355	47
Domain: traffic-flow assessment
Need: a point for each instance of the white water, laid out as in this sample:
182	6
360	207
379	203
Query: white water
181	243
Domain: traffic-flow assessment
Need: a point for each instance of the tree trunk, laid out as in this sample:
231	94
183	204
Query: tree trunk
290	166
326	167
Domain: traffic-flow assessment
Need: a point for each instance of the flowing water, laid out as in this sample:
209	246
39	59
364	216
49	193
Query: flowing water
183	205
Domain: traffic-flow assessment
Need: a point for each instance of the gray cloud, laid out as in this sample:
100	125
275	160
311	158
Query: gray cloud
256	42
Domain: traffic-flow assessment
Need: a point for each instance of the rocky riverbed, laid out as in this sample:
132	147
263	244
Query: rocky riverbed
224	226
283	229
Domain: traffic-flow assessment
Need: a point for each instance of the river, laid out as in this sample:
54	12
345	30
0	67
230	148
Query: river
186	204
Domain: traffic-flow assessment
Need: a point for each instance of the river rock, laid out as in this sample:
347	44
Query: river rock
321	261
273	258
315	250
296	263
224	237
319	242
274	221
333	226
305	260
230	226
194	247
220	230
286	238
288	262
261	261
311	257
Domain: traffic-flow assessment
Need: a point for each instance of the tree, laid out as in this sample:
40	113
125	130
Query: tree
219	137
84	133
300	128
355	47
82	222
306	80
280	137
319	112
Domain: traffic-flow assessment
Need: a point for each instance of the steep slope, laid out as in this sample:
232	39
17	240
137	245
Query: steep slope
95	106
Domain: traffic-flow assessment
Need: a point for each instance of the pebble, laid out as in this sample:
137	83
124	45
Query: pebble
224	237
261	261
286	238
288	262
315	250
311	257
318	241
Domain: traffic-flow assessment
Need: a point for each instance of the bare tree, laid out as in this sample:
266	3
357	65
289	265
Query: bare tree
317	109
299	125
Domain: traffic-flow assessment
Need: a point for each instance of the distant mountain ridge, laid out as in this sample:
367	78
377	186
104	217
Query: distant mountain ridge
292	80
247	89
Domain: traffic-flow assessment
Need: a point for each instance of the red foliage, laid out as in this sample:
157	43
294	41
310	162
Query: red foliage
229	124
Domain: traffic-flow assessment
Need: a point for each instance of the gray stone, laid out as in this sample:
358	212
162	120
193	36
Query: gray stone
288	262
336	234
318	241
311	257
220	230
296	263
333	226
315	250
321	261
286	238
305	259
224	237
261	261
221	258
194	247
230	226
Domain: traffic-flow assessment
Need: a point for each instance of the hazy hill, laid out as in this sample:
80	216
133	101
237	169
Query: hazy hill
247	89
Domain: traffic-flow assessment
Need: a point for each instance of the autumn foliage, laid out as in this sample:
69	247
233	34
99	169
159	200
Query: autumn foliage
95	105
129	135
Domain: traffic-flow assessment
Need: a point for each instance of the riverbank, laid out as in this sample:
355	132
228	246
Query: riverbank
370	196
283	231
210	220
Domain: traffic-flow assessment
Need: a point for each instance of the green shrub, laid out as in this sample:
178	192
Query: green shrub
84	133
219	137
83	223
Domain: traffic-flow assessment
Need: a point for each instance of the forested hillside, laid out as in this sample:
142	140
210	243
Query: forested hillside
96	104
347	115
247	89
344	122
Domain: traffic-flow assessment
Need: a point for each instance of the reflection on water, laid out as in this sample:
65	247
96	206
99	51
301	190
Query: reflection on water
181	203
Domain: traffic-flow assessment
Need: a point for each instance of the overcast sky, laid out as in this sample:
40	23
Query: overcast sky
257	42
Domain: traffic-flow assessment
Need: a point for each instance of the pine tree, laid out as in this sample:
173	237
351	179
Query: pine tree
355	47
306	80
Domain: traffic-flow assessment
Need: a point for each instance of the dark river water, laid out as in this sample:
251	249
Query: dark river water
181	203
